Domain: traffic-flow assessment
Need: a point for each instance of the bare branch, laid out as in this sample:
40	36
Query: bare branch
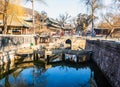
108	21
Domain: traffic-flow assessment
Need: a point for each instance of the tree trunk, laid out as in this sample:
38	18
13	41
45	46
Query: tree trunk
33	14
93	34
5	15
4	23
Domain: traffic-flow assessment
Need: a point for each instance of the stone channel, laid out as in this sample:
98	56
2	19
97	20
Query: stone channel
106	54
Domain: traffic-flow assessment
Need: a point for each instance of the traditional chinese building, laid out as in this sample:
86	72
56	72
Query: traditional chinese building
68	29
17	25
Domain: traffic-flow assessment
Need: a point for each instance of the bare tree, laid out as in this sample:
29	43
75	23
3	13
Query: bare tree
83	21
7	10
33	14
73	21
113	21
4	11
1	7
93	4
116	5
63	18
4	7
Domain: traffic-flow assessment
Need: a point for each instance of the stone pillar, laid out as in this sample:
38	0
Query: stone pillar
77	58
34	56
26	31
48	59
21	30
90	55
63	57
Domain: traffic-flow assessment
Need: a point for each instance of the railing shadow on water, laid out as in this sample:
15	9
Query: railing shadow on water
11	67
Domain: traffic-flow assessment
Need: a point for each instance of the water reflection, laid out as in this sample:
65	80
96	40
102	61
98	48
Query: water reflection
68	76
56	75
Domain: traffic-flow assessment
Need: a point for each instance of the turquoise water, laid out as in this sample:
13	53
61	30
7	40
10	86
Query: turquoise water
57	76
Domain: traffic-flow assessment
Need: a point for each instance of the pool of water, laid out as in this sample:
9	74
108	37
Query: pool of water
54	75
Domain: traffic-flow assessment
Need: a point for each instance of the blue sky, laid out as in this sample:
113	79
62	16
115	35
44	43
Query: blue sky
56	7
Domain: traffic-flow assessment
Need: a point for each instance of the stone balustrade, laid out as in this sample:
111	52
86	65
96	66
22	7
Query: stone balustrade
10	43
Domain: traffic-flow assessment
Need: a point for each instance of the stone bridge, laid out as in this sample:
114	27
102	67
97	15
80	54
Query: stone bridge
72	42
67	54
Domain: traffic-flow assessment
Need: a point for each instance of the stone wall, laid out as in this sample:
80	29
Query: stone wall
107	57
10	43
